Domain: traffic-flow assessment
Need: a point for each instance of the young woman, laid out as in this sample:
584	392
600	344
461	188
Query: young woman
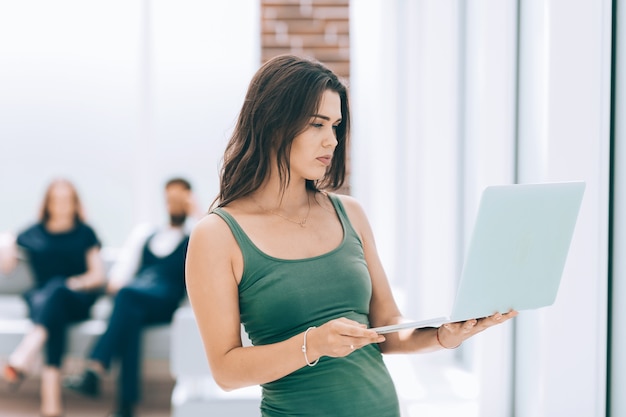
64	255
297	265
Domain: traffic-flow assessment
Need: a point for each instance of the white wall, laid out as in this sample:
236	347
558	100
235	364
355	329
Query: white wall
118	96
489	131
564	114
443	106
433	85
405	140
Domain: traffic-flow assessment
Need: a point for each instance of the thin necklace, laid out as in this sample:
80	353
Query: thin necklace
301	223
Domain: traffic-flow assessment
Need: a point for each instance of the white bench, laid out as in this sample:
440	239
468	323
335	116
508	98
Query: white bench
196	394
14	322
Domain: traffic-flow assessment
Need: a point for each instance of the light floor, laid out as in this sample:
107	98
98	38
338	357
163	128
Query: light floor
433	389
157	389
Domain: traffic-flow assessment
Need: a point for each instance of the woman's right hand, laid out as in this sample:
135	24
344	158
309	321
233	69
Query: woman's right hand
8	253
339	337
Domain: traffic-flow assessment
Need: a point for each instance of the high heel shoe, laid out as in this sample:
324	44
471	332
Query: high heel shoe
13	376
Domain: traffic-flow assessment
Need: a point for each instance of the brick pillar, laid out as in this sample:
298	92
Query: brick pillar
315	28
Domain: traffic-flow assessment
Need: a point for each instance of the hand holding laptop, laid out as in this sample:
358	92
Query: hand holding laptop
451	335
516	255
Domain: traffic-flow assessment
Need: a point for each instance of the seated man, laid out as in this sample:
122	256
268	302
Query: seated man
148	281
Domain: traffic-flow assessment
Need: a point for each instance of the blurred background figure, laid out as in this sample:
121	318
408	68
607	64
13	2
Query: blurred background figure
64	255
148	282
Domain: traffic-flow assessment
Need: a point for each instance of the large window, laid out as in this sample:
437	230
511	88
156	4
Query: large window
118	96
451	96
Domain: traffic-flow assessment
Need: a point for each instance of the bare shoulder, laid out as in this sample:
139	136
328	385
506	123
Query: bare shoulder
209	226
213	254
355	213
213	237
352	205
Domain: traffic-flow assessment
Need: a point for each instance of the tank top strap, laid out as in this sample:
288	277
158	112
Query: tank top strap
246	246
343	216
251	252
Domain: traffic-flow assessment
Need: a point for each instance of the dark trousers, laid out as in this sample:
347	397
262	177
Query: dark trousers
133	309
54	306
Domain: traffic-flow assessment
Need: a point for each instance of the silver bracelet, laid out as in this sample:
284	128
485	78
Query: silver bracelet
304	349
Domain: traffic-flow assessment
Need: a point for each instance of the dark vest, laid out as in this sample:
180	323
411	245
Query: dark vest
163	275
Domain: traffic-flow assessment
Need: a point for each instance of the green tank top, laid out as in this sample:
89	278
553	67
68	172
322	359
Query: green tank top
280	298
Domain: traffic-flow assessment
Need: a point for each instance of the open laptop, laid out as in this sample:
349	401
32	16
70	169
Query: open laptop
517	251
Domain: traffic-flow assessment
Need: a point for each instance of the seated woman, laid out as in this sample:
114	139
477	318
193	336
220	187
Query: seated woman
64	255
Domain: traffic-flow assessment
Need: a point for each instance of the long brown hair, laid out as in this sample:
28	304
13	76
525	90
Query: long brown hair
281	98
44	212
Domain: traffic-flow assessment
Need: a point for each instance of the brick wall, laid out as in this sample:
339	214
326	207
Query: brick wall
315	28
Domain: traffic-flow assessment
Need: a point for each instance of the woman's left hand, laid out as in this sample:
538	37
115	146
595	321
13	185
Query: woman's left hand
451	335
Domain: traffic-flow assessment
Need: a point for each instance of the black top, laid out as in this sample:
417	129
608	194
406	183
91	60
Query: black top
61	254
